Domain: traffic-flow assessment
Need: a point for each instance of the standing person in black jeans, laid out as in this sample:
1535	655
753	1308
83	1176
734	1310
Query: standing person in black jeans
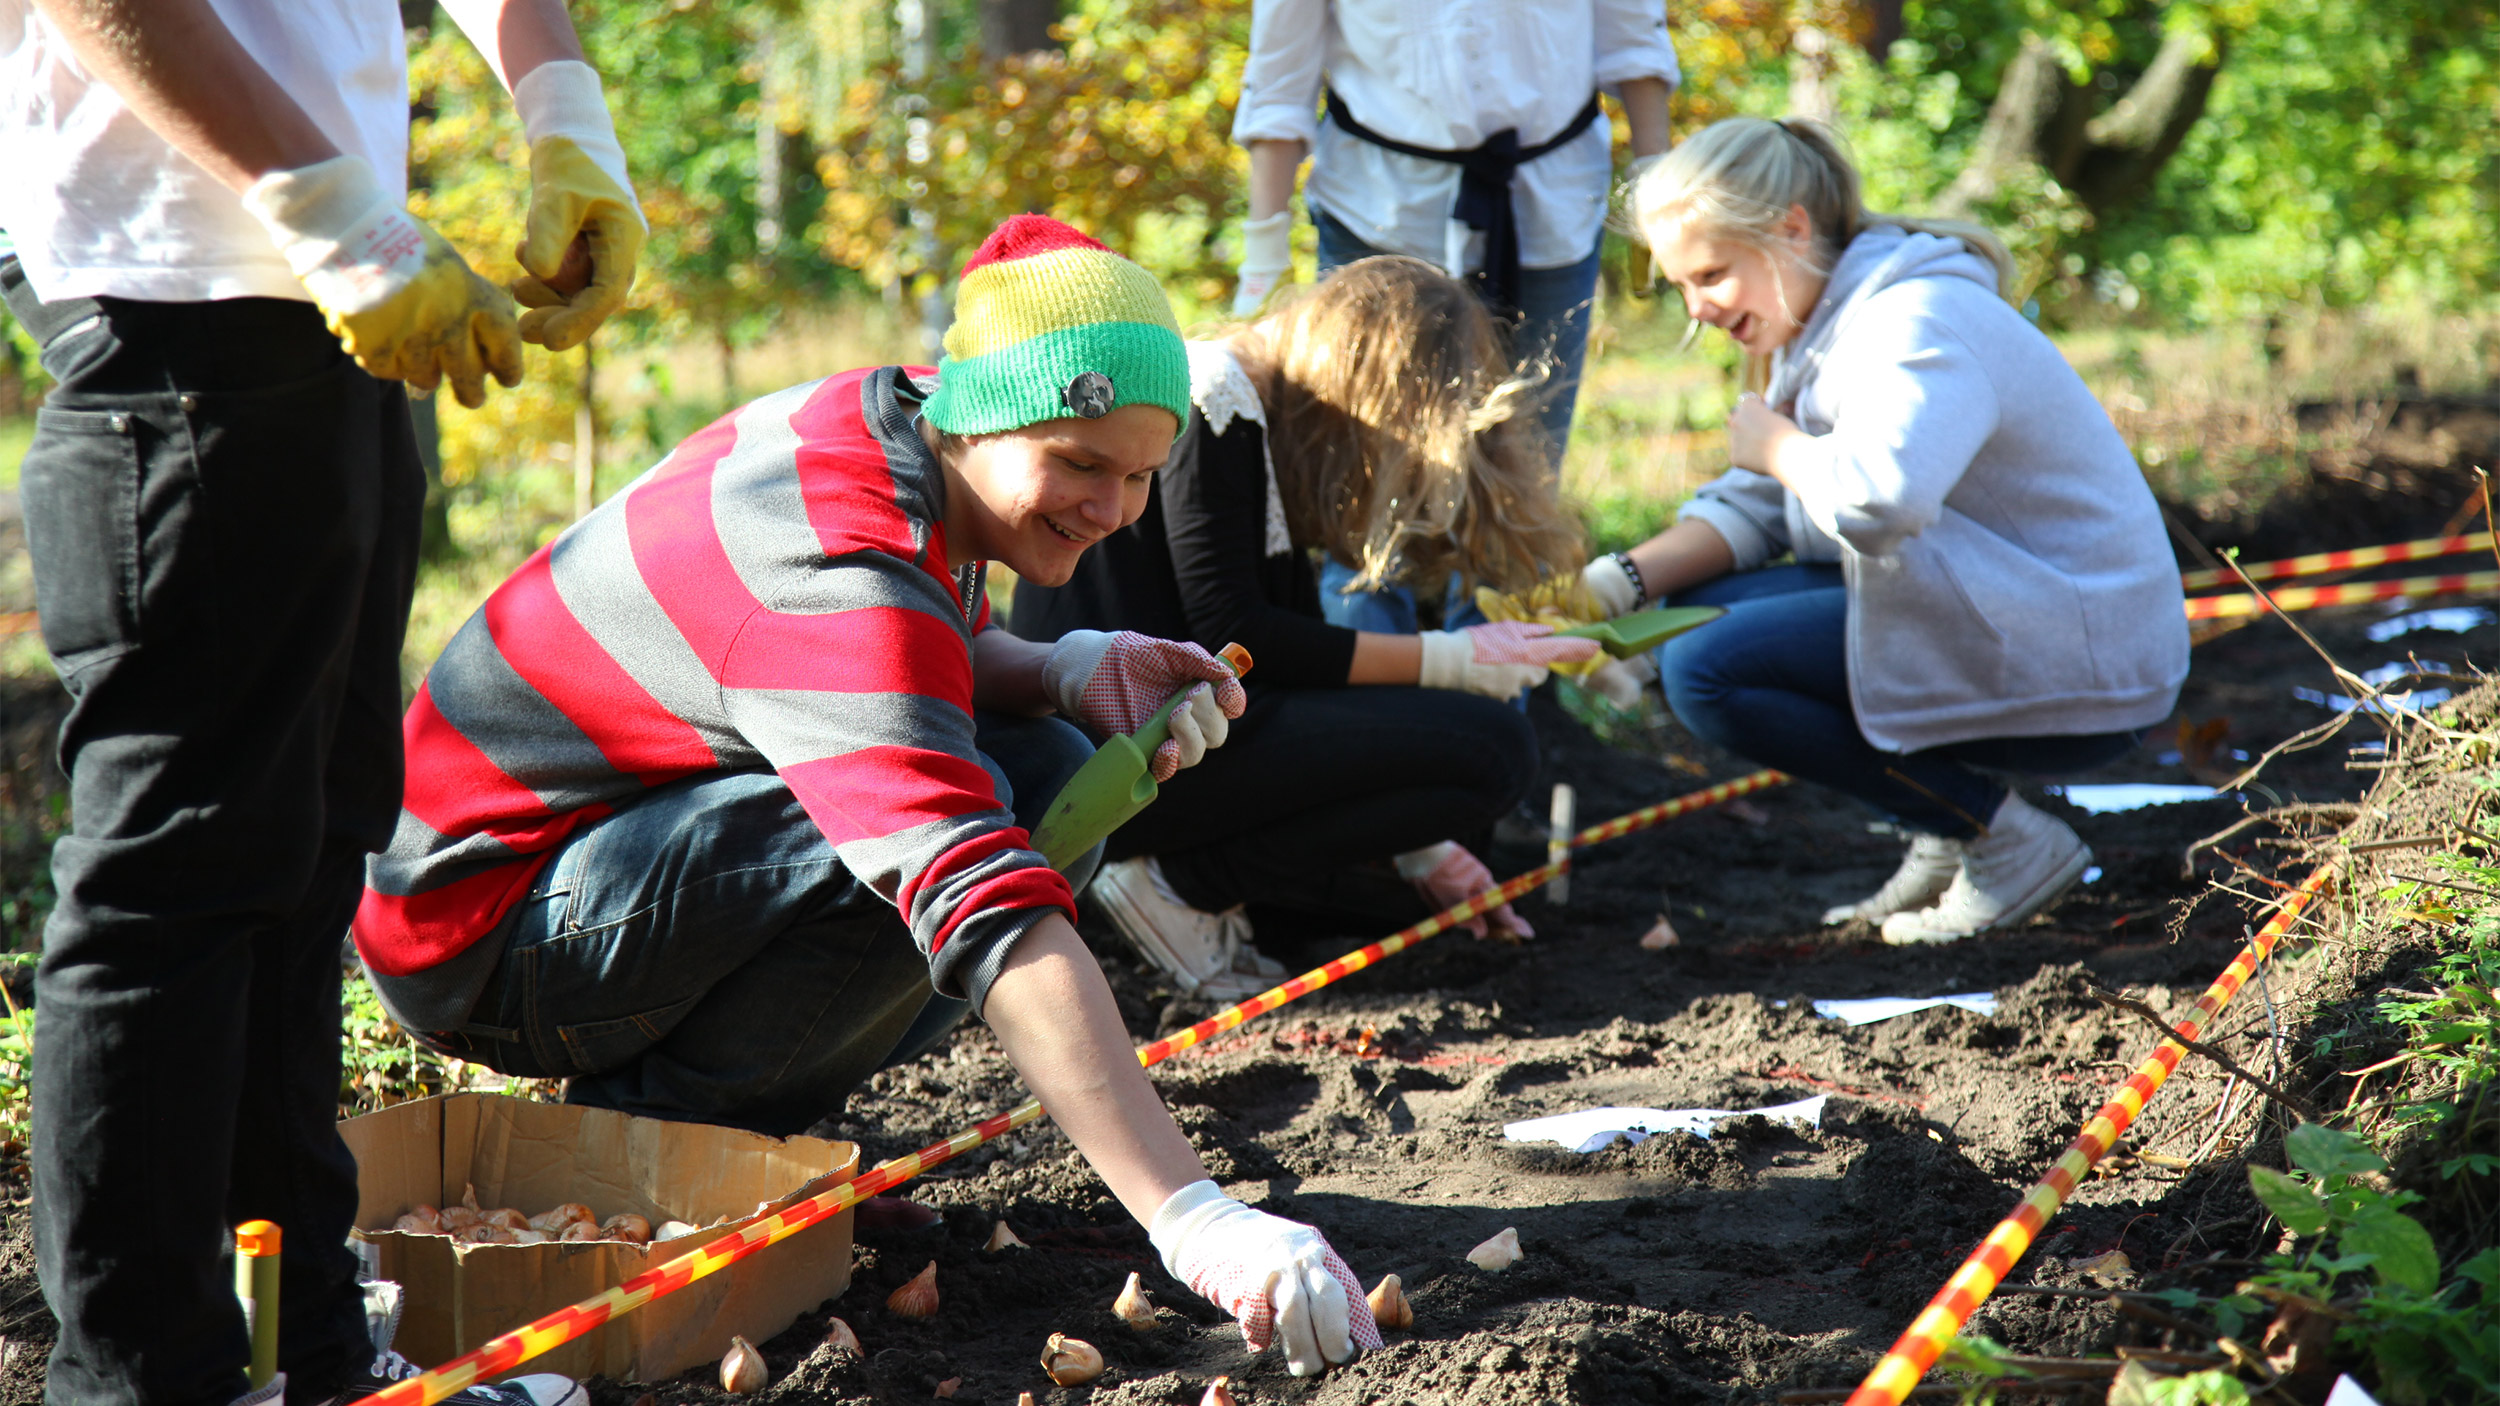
1373	423
222	505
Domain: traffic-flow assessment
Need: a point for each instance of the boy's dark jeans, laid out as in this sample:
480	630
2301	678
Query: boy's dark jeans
222	511
703	955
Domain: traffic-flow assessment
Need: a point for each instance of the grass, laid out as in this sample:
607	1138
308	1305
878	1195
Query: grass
16	432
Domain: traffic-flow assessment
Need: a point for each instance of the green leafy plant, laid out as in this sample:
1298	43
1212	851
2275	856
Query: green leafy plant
17	1050
2425	1336
2138	1385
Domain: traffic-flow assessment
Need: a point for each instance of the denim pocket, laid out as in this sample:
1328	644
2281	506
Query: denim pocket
597	1046
79	489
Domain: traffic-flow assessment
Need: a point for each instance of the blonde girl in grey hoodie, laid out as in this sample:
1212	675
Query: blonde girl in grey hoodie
1980	581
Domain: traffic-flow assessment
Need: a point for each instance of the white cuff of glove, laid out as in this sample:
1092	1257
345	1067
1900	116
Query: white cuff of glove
1611	584
340	231
1446	655
1070	667
1416	865
563	98
1267	245
1182	1215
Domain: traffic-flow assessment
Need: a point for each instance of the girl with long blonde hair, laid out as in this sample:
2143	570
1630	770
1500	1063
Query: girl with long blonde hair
1981	580
1375	422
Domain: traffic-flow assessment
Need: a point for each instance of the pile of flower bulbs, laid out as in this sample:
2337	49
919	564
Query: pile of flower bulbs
571	1222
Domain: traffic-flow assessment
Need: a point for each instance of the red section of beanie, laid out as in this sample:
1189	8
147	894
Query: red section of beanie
1023	236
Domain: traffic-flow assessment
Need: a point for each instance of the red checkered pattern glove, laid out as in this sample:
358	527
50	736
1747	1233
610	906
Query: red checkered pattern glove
1446	874
1114	682
1277	1278
1498	660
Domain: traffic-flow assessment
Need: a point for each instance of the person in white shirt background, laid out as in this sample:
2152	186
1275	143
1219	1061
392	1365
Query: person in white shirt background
1479	85
206	203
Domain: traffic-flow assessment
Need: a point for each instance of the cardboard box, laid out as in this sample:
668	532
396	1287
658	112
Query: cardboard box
533	1156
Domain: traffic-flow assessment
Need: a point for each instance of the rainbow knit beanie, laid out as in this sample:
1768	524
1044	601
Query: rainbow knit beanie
1048	324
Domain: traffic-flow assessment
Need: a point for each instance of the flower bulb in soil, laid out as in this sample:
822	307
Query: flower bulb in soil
917	1299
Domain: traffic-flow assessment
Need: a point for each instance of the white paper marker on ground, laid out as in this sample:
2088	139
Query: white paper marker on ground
1870	1009
2348	1392
1866	1010
1593	1128
2131	795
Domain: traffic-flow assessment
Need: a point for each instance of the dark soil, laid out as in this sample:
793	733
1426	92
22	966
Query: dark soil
1731	1269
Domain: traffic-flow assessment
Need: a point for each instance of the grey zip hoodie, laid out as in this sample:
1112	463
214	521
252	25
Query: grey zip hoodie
2007	568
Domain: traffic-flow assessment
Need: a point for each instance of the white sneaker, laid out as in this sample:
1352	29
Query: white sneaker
2024	860
1205	954
1925	873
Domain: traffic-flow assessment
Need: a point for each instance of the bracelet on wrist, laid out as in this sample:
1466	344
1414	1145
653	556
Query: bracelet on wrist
1640	588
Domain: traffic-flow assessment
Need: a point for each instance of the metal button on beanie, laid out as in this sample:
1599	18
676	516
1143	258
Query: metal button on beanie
1050	323
1090	395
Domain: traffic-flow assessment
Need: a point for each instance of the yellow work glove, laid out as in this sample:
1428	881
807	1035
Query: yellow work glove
1559	601
578	189
401	300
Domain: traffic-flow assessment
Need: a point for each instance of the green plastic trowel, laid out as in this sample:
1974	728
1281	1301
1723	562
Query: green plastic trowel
1115	784
1627	635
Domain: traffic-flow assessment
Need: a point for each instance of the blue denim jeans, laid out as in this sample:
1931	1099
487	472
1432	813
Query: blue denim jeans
1769	681
704	956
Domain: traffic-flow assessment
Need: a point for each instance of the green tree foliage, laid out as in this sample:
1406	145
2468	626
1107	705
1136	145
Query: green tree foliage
1123	132
2344	149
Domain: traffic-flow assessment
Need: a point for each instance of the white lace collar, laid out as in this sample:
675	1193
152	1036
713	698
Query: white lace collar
1222	392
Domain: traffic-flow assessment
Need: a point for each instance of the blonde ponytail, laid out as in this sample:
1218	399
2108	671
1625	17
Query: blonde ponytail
1737	179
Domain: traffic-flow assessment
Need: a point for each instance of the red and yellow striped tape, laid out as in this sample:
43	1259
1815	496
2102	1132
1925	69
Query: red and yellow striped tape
2351	593
506	1351
1961	1296
2319	563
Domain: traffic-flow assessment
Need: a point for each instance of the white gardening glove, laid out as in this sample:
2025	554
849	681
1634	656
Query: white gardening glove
578	190
1606	579
1498	660
1619	681
403	302
1266	257
1114	682
1276	1277
1446	874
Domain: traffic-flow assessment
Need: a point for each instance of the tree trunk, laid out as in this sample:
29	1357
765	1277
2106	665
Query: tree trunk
1016	26
768	141
2028	97
434	542
1883	24
586	440
2042	118
2140	132
1810	74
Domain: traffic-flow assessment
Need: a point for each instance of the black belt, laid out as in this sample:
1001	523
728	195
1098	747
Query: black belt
1483	202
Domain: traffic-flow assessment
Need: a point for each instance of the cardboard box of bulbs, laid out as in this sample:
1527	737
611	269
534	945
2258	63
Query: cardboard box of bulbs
492	1211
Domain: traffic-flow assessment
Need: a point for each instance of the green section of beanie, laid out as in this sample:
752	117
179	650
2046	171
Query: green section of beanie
1029	382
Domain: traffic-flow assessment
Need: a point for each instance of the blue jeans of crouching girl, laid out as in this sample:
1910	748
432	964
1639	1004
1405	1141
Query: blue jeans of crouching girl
704	955
1769	681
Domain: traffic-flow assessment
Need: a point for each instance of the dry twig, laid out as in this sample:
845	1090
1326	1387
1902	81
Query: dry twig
2137	1008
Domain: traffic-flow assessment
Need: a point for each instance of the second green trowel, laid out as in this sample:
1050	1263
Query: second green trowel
1643	630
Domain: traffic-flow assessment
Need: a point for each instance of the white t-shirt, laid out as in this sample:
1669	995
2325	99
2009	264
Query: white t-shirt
99	205
1446	75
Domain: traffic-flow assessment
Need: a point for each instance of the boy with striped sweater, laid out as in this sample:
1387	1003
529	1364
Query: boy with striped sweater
708	799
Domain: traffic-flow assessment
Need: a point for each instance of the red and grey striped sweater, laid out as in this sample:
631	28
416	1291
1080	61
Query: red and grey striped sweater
775	593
